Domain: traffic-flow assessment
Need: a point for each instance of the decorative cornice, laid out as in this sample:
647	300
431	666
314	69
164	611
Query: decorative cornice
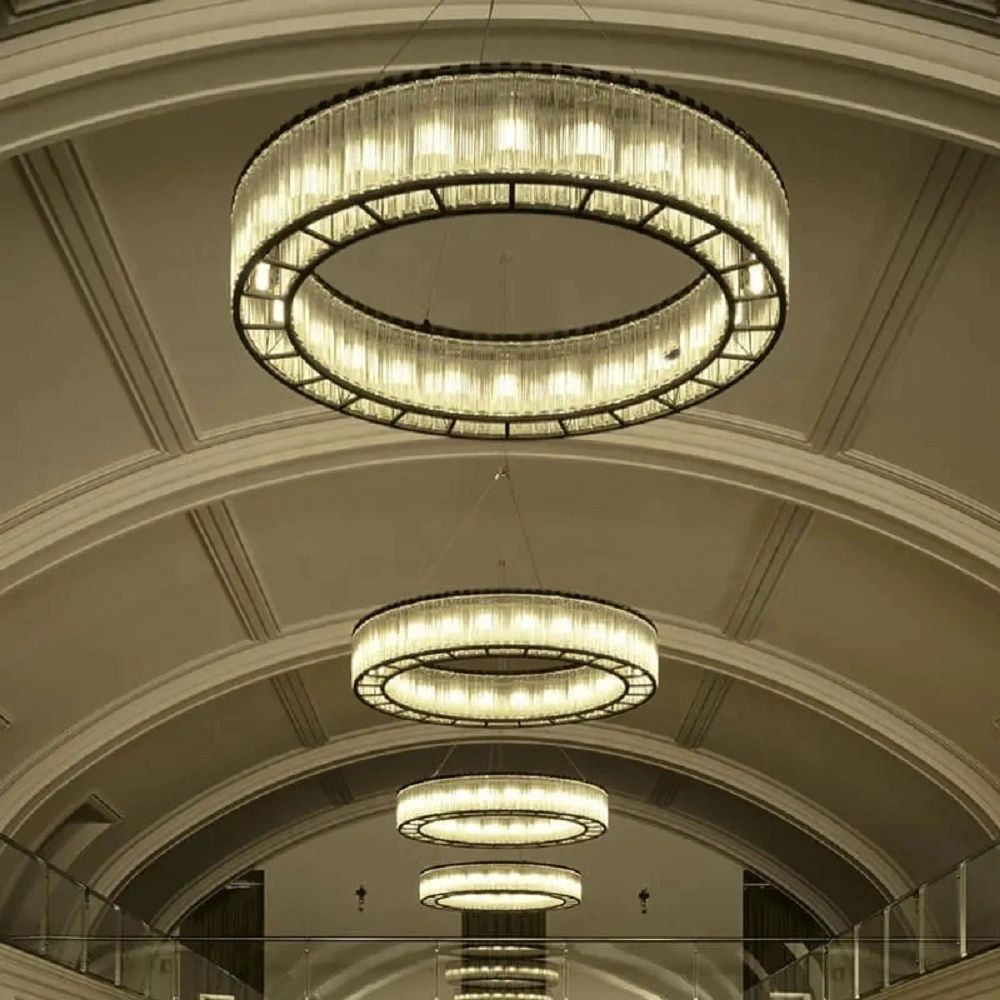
734	778
305	828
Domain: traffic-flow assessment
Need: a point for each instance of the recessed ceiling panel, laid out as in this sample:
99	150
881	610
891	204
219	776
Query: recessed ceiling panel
325	545
922	828
66	413
102	624
897	622
936	411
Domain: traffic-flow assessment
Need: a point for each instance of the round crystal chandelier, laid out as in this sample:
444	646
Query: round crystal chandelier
504	658
498	138
503	885
502	976
502	810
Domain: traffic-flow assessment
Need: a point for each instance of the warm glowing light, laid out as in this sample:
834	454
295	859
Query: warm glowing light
502	810
511	885
510	139
554	658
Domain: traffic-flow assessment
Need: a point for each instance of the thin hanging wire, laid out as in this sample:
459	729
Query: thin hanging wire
444	760
470	513
524	528
435	277
486	33
604	35
572	763
409	38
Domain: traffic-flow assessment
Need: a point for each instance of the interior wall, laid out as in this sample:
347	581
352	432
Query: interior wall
694	891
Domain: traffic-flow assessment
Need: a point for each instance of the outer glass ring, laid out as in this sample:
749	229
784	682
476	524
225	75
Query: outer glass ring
590	658
287	221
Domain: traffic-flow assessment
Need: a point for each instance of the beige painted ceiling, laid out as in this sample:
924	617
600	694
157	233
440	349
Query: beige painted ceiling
184	545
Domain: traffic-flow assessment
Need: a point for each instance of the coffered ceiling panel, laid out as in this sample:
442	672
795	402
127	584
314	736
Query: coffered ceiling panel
905	626
186	756
850	186
674	544
922	828
100	625
935	409
830	874
165	183
66	414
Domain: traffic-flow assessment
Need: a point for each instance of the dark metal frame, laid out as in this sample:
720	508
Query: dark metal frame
434	901
356	393
589	829
639	686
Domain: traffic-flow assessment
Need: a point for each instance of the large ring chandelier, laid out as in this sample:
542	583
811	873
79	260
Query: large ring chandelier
422	659
510	138
502	810
513	885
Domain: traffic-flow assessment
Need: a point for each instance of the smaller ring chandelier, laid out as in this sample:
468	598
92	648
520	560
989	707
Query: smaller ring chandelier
475	977
499	994
588	659
523	139
502	810
497	886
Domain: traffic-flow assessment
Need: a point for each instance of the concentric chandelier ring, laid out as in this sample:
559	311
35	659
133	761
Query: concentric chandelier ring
502	810
497	886
499	138
454	658
496	976
501	994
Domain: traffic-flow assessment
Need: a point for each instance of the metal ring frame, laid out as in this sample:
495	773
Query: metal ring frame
278	346
587	828
370	685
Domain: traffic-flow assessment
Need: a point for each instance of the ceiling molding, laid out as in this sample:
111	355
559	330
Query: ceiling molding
926	241
918	519
734	778
26	788
837	53
305	828
71	210
233	562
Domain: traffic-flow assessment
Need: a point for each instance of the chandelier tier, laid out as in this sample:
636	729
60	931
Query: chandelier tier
501	994
502	810
509	138
456	658
501	976
504	885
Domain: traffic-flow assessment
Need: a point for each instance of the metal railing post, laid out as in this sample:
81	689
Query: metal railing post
85	931
886	933
826	971
963	910
44	929
176	974
856	992
921	930
119	945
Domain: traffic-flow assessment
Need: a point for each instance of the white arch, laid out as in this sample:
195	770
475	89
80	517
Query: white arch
881	63
26	789
728	775
305	828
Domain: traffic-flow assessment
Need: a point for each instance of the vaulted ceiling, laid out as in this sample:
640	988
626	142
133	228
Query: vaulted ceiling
184	545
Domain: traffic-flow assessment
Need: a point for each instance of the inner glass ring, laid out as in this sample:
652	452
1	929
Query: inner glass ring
521	827
501	901
544	695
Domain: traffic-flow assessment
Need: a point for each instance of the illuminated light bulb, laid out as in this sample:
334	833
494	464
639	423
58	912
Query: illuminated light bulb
278	311
262	277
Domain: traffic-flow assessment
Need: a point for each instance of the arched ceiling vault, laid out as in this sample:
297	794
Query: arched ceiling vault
820	548
305	828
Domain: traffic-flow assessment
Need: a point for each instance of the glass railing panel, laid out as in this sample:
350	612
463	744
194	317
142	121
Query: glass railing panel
840	967
904	938
66	921
716	967
140	952
941	922
871	954
22	899
982	880
103	939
